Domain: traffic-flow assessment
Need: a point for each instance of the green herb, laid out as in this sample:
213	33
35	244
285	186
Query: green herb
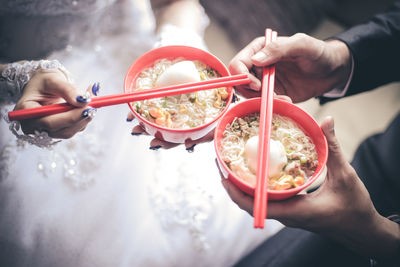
137	105
303	160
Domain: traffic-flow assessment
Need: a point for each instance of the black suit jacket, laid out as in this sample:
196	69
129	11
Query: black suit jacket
375	46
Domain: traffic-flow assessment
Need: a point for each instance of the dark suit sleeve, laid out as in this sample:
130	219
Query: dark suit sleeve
375	46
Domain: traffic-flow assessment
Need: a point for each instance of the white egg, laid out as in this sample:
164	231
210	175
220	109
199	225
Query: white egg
181	72
277	156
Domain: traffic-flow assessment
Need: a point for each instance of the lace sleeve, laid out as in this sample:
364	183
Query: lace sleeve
13	79
16	75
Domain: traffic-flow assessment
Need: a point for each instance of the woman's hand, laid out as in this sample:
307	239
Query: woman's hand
341	208
157	143
305	67
51	87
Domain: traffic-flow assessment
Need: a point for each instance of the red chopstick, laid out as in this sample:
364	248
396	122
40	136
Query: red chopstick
117	99
267	97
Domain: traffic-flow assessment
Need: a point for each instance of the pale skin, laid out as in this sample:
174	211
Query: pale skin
51	86
341	208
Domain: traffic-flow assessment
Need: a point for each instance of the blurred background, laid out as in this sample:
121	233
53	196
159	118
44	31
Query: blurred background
234	23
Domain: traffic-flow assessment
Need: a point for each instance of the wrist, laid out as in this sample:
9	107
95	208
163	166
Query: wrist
341	59
389	241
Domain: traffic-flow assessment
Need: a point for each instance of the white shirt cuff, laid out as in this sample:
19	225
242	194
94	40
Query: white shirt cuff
340	92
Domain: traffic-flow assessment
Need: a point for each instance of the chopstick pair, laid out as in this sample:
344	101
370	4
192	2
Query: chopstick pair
117	99
266	109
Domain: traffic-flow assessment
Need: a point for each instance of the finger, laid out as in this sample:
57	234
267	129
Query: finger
189	143
138	130
71	93
239	67
336	159
68	132
287	49
283	97
130	116
156	144
53	123
241	63
292	212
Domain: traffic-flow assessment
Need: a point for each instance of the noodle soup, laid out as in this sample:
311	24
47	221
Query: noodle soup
184	111
293	156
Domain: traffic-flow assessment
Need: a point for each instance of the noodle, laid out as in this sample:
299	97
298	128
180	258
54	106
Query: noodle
300	152
181	111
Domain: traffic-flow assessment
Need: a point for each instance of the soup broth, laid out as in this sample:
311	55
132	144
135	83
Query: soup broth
181	111
300	156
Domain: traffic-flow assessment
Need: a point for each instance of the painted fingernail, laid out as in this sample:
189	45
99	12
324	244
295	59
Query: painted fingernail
155	147
134	133
84	98
96	88
235	98
190	149
89	113
129	119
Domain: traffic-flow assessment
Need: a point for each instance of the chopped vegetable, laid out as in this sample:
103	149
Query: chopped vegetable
298	181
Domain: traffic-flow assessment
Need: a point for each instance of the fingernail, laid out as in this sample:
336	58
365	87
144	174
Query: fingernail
155	147
84	98
134	133
96	88
235	98
260	56
190	149
89	112
129	119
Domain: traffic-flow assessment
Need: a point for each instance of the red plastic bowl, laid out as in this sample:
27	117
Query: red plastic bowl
173	52
284	108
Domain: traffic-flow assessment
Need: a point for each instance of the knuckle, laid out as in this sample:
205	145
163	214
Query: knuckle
334	147
273	47
259	39
300	36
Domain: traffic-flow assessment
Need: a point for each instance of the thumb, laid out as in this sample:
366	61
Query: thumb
335	156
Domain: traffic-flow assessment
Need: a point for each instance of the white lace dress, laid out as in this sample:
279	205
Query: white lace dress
103	198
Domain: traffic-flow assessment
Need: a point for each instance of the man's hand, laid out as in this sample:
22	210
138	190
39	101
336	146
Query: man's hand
305	67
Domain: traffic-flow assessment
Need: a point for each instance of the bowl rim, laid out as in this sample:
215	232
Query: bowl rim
175	130
291	191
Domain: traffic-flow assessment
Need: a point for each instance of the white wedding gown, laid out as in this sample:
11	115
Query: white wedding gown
103	198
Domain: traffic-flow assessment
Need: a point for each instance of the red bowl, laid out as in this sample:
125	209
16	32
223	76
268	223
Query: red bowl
284	108
172	52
